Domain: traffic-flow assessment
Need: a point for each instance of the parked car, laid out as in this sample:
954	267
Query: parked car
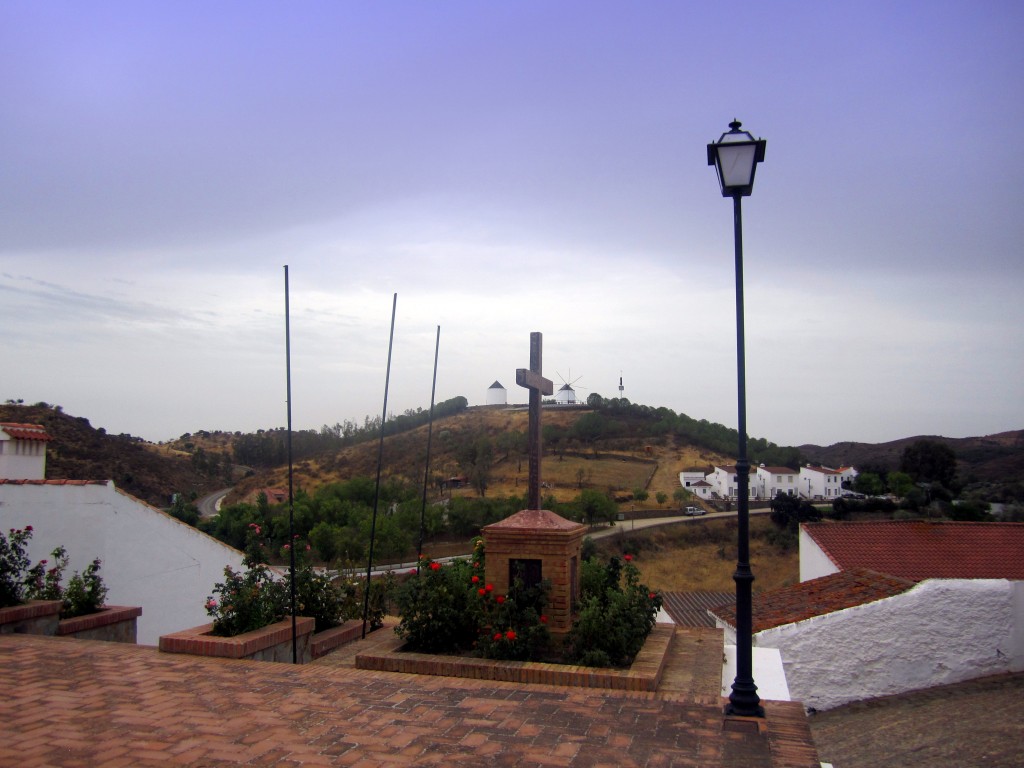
694	511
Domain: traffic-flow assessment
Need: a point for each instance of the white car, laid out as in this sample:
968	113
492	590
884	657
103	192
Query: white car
694	511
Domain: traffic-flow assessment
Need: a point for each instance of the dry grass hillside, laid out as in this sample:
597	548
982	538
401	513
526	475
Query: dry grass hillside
616	468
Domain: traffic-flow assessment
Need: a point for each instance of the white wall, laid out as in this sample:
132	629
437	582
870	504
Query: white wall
813	560
22	459
941	631
149	558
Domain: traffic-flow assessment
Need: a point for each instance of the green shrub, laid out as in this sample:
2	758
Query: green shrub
436	609
246	601
615	616
514	626
85	592
15	577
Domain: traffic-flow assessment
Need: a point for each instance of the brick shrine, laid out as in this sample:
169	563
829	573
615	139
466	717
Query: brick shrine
542	546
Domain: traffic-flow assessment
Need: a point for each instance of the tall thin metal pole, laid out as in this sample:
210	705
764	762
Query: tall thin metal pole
291	515
430	432
744	699
380	461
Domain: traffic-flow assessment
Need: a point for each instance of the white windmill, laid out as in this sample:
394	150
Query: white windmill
566	394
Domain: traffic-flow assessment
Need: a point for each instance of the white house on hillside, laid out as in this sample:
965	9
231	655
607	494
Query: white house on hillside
695	483
724	481
768	482
22	451
149	558
820	483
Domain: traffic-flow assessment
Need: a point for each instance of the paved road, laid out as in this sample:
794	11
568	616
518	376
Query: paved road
627	526
209	505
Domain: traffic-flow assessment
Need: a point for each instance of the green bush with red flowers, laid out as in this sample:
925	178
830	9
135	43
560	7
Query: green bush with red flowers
451	609
616	613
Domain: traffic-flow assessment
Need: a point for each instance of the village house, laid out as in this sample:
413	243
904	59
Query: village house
810	482
885	607
149	558
768	482
23	451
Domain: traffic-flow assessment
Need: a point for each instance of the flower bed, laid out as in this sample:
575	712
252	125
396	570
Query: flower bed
644	674
36	617
270	643
112	623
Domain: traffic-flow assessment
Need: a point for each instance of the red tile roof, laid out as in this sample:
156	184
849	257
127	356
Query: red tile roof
7	481
920	549
817	597
531	519
25	431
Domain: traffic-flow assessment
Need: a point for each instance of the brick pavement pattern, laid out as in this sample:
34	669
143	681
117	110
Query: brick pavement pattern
88	703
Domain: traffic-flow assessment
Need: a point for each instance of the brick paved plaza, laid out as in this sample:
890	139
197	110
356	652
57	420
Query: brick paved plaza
88	703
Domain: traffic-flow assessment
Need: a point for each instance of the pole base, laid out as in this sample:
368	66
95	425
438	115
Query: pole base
744	701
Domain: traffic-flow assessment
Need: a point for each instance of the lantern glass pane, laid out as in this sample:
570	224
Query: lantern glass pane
736	162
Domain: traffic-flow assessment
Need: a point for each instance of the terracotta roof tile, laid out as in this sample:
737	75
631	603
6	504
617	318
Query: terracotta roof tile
690	609
919	549
25	431
7	481
817	597
531	519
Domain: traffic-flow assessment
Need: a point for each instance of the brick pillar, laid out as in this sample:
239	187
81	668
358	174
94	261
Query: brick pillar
539	535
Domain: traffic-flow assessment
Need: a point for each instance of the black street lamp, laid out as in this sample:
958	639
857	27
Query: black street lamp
735	157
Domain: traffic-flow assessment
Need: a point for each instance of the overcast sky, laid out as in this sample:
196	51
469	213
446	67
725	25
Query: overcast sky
508	167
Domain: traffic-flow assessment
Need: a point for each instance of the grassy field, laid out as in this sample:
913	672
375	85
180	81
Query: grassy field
702	556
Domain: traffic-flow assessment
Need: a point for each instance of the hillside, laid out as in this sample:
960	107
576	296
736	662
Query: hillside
78	451
992	459
612	451
618	466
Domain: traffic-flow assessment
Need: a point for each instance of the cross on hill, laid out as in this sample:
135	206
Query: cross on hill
532	379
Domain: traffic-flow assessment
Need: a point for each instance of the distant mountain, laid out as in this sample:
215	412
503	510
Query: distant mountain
78	451
990	459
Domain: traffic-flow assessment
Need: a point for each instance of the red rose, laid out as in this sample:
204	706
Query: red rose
489	587
501	599
543	619
481	592
475	579
435	566
510	635
628	558
412	571
29	528
497	636
652	595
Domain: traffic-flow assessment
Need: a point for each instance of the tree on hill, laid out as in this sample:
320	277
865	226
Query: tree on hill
929	461
595	506
476	458
789	511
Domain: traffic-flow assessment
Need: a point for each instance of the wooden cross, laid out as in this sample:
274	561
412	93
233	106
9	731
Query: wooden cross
532	379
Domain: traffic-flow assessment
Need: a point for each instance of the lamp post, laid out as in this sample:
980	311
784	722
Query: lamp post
735	157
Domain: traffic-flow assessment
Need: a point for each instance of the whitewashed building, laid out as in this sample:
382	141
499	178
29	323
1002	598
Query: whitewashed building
768	482
497	394
22	451
149	558
820	483
859	634
724	481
